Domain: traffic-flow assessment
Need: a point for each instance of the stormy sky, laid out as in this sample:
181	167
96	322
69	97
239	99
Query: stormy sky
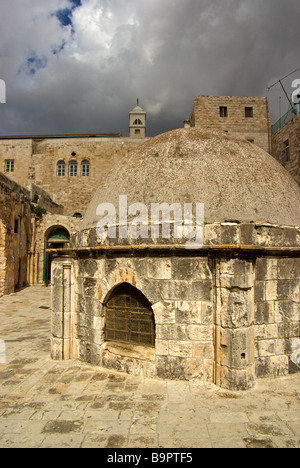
78	66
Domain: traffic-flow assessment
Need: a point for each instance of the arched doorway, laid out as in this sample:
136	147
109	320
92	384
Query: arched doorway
55	238
129	317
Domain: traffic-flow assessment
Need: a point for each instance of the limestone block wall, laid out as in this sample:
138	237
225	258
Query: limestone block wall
206	115
180	291
277	315
234	340
18	150
290	132
227	313
75	193
15	234
41	229
35	162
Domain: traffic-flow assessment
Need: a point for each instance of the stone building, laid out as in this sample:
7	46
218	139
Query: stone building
62	172
138	300
15	234
68	167
286	142
28	218
246	117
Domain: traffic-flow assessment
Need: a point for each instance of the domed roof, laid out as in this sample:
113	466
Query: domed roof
234	179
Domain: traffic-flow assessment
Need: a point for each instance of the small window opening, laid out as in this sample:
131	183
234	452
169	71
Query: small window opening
129	317
286	151
73	169
16	229
248	112
9	166
223	111
85	169
61	169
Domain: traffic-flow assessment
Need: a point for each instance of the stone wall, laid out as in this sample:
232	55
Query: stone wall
227	313
277	315
180	291
20	151
41	229
290	132
257	129
35	161
15	234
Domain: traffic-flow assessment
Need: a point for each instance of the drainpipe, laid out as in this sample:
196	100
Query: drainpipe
269	129
22	201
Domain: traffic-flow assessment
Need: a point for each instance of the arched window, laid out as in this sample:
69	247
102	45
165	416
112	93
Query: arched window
73	169
138	122
129	317
85	168
61	169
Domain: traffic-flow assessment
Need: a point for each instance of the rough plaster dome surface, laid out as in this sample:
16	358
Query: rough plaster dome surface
236	180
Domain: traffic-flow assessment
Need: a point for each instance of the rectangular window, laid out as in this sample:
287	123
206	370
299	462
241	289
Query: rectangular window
248	112
85	169
223	111
61	169
286	151
16	229
9	166
73	169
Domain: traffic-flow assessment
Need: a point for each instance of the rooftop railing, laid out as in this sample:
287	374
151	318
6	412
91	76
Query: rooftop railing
286	118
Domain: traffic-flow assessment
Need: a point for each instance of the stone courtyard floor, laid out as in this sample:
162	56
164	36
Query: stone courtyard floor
45	403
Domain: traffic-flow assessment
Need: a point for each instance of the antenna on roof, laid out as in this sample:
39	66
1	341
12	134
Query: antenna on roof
137	102
280	81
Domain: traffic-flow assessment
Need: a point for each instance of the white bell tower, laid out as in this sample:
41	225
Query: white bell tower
137	122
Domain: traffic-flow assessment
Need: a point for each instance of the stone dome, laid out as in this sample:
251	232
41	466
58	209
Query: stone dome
236	180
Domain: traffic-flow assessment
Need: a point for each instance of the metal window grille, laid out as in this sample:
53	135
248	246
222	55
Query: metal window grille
129	317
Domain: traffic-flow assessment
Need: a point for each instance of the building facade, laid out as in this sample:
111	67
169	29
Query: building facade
286	142
247	117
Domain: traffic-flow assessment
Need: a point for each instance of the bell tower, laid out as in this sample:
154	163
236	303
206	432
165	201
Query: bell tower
137	122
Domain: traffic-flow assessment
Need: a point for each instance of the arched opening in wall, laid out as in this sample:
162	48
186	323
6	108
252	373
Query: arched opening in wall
129	318
56	237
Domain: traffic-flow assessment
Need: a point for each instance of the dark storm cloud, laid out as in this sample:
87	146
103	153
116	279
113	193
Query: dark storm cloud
78	66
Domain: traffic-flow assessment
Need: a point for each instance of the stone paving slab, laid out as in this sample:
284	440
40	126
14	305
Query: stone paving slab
45	403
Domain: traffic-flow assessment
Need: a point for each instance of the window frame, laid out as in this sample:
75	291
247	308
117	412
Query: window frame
73	168
9	166
223	110
249	112
85	168
129	318
61	169
286	151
